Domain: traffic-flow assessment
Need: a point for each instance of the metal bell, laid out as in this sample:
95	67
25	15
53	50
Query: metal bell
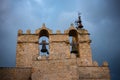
74	49
44	49
74	46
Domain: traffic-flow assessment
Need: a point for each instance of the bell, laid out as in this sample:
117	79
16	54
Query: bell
74	46
44	49
74	49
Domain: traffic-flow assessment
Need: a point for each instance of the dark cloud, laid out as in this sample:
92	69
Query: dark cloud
7	35
100	17
106	37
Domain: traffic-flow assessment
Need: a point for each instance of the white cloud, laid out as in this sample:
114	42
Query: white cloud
40	2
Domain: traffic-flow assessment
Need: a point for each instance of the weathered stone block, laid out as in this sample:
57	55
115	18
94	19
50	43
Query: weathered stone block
73	55
28	38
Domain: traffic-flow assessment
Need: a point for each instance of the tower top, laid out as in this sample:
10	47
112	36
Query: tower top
79	22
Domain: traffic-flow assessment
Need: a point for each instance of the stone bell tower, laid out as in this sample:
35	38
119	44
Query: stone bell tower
63	56
68	57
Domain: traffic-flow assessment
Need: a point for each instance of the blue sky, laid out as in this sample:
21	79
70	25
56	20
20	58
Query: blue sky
100	17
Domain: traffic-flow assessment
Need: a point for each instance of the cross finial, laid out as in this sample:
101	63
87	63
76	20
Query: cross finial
78	22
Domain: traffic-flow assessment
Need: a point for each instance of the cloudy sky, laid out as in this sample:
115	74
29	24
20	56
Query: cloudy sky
100	17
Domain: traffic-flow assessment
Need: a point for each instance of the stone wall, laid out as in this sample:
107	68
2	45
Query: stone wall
55	70
25	53
62	69
15	73
84	47
27	48
94	73
59	47
68	69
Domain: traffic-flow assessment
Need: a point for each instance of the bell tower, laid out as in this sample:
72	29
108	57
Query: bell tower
67	56
60	56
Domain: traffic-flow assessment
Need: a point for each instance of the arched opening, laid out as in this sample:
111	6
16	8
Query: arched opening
73	39
44	33
44	43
